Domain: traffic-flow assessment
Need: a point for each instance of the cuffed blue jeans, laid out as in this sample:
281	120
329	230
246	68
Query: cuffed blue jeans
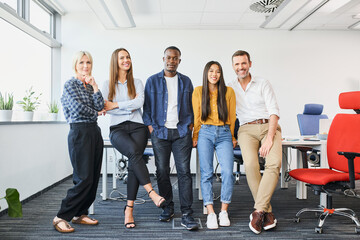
181	148
216	138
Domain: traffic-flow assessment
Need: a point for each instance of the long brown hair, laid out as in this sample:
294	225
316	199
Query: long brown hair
114	76
205	98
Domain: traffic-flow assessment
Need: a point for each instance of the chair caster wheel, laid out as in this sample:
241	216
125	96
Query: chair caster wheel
296	219
318	230
357	229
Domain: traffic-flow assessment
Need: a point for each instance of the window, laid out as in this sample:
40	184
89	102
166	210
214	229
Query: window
40	17
10	3
28	51
24	62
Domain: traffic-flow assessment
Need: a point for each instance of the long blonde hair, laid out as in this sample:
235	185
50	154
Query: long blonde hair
114	76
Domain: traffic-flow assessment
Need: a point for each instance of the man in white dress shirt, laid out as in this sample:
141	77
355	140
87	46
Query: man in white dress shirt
259	134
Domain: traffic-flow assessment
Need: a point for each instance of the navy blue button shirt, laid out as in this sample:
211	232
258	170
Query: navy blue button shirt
81	104
156	101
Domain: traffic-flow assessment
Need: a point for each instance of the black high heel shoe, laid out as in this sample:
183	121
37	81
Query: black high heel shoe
161	202
129	223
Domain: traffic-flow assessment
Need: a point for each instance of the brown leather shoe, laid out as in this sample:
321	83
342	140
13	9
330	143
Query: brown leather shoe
67	229
84	219
269	221
256	221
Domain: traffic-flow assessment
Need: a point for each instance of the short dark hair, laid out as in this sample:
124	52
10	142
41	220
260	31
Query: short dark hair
173	48
241	53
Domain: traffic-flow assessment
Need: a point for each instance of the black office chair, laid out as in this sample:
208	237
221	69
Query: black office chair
237	155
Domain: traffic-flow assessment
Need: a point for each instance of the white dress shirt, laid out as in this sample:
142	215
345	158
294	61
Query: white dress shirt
126	105
258	101
172	117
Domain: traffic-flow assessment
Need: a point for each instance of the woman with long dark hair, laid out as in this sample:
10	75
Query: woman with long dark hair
82	104
214	121
124	98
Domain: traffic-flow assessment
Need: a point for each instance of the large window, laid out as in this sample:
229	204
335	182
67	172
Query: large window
10	3
27	52
40	17
24	62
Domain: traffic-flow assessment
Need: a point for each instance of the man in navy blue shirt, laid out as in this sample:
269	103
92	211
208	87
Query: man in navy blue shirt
169	116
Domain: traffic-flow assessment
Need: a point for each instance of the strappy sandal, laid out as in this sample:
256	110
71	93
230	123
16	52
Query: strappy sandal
68	229
161	202
129	223
84	219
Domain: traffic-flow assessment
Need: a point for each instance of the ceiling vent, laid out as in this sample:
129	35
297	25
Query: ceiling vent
265	6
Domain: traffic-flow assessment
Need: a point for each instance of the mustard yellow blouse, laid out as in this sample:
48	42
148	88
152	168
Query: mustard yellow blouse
213	118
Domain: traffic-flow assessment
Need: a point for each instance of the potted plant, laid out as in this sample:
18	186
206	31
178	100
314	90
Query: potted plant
53	111
12	198
29	104
6	106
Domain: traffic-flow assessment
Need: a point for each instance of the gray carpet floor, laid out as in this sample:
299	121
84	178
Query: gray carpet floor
39	212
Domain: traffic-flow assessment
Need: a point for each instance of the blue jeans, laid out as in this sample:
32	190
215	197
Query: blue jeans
216	138
181	148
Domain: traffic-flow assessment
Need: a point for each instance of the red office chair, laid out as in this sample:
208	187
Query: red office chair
343	146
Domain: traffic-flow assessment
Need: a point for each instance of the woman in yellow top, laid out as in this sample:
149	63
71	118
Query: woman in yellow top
214	121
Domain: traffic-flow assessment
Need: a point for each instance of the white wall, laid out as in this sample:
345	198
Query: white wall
32	157
303	66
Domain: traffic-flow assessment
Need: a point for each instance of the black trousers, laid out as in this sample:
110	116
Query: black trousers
86	150
130	139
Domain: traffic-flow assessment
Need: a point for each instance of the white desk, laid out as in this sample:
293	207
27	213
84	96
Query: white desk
107	144
301	192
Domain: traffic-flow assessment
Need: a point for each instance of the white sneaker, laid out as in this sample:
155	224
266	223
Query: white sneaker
224	219
211	222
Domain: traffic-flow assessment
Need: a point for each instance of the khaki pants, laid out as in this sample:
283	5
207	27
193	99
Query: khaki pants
262	188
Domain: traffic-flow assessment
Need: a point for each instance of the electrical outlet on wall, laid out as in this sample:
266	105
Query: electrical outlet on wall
111	158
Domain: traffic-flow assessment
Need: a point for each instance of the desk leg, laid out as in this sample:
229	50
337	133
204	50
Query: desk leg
284	164
323	164
301	191
114	175
91	209
197	178
104	177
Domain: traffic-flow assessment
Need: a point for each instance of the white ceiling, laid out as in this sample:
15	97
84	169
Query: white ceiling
220	14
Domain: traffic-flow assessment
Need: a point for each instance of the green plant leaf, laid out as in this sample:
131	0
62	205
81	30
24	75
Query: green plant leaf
13	199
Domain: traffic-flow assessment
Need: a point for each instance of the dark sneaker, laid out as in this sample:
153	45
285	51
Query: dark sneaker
256	221
166	215
189	222
269	221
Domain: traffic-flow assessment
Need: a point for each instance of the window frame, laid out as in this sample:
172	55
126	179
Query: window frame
20	19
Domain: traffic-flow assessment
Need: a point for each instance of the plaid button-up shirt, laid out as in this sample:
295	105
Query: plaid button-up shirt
81	104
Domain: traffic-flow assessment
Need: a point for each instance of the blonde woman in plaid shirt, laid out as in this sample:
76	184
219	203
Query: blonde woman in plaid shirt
82	103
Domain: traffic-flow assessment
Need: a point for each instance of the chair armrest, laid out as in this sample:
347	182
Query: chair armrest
349	154
350	157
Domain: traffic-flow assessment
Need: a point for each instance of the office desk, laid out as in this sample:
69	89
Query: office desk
107	145
301	192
